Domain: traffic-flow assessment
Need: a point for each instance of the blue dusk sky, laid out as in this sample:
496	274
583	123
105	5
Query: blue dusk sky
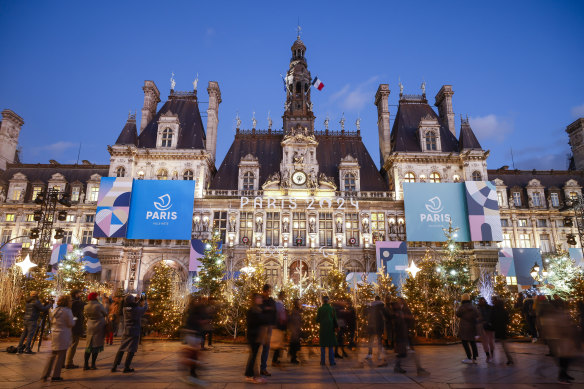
73	69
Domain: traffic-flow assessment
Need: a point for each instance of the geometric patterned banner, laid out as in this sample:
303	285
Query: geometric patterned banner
483	211
113	207
393	256
517	262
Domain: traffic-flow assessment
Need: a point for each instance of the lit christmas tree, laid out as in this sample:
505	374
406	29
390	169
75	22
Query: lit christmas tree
210	277
311	300
335	285
35	280
365	292
70	273
384	286
561	269
164	312
501	290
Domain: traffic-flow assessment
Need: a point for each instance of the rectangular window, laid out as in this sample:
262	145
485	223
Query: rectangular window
220	223
26	240
511	280
87	237
272	275
94	193
67	237
89	218
154	242
6	235
35	191
272	229
378	225
325	229
573	196
299	228
30	217
524	241
506	241
111	240
500	198
560	223
536	199
555	199
10	217
71	218
245	227
544	243
522	223
352	228
17	194
504	222
75	191
541	222
517	199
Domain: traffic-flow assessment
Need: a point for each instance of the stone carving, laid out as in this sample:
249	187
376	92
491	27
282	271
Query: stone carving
238	121
297	157
2	196
205	225
365	226
285	226
312	226
82	197
323	179
254	122
339	226
172	82
274	178
285	179
232	224
259	224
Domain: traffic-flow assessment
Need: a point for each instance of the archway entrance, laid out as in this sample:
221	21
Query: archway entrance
297	269
178	278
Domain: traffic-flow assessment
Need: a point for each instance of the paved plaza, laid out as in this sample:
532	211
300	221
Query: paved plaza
156	365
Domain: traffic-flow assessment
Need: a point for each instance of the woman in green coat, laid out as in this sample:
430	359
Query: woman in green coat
327	319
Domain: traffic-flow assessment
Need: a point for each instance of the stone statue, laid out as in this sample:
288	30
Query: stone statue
82	197
232	224
2	196
238	121
205	225
339	226
312	226
326	123
310	106
172	82
196	82
269	121
423	86
285	179
253	121
358	124
401	88
342	122
197	225
285	226
365	225
272	179
258	225
297	157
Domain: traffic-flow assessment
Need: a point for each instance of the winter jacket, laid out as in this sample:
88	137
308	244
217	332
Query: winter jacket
96	319
375	324
468	321
269	309
500	320
132	326
34	308
485	317
327	319
257	320
295	325
77	309
61	323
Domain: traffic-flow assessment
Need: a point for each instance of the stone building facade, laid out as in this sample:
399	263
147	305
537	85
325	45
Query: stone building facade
300	199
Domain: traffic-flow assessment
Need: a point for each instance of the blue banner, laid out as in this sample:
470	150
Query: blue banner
161	209
429	208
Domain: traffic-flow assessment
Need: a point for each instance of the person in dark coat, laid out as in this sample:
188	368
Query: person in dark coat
96	323
32	312
402	321
341	311
258	321
351	318
327	319
77	306
500	322
388	324
193	330
529	315
486	328
269	310
375	327
468	328
295	330
133	312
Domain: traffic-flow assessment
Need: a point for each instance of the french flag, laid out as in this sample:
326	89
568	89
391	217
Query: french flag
317	83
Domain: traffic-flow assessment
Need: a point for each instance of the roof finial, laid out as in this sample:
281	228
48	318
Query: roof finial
172	82
196	82
326	122
298	29
269	121
401	87
358	123
253	120
342	121
237	121
423	87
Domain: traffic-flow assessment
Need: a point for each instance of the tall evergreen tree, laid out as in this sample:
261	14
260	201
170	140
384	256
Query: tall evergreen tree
561	269
70	273
210	278
164	313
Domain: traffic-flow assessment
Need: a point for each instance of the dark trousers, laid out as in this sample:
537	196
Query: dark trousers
341	340
72	349
475	351
351	338
209	335
251	359
531	326
294	348
28	334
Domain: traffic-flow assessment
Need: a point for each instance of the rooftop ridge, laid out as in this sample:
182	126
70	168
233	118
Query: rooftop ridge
59	166
183	95
416	99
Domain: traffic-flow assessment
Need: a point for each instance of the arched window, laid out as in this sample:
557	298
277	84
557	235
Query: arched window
166	138
162	174
350	185
188	175
435	177
476	176
431	141
248	181
410	177
121	171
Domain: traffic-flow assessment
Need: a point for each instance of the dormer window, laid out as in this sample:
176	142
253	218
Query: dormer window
166	138
162	174
248	181
435	177
350	182
431	141
121	171
410	177
188	175
477	176
536	199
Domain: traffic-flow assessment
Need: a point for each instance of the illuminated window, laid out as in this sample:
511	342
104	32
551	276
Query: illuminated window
166	138
10	217
220	223
476	176
120	171
30	217
35	191
544	243
431	141
248	181
93	193
75	192
25	240
162	174
573	196
325	228
524	241
299	228
517	199
511	280
522	223
434	177
410	177
500	198
456	178
506	241
555	199
272	229
188	175
17	194
6	235
352	228
350	185
71	218
378	225
245	226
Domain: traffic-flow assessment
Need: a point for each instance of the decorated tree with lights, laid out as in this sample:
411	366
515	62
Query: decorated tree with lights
210	277
335	285
559	269
364	295
311	298
384	286
35	280
70	273
165	313
502	291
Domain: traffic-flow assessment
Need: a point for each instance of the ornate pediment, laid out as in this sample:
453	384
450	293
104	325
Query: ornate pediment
326	182
299	134
272	182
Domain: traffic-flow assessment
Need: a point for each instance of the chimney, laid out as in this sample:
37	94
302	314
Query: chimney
213	117
444	104
382	103
151	100
9	133
576	133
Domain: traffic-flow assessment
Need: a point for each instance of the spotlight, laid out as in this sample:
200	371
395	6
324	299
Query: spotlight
62	216
34	233
571	239
568	222
37	215
59	233
40	198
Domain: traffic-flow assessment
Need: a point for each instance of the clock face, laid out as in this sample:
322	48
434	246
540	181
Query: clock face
299	178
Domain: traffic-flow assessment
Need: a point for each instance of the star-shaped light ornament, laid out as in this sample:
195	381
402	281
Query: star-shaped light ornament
26	265
413	269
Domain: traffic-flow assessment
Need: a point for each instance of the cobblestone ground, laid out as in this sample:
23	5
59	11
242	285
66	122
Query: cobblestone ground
156	365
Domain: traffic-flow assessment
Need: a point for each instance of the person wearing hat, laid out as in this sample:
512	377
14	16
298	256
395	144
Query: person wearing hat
77	332
467	331
96	319
133	313
31	316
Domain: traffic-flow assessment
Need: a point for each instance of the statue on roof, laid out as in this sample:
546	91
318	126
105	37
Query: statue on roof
238	121
196	82
253	120
358	123
342	122
401	88
172	82
269	121
326	123
423	86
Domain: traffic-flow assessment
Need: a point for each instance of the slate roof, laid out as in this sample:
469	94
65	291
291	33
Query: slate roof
268	150
404	133
191	133
129	134
548	178
467	139
44	172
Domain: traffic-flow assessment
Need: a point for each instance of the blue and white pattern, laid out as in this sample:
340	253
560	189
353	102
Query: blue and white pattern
89	258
